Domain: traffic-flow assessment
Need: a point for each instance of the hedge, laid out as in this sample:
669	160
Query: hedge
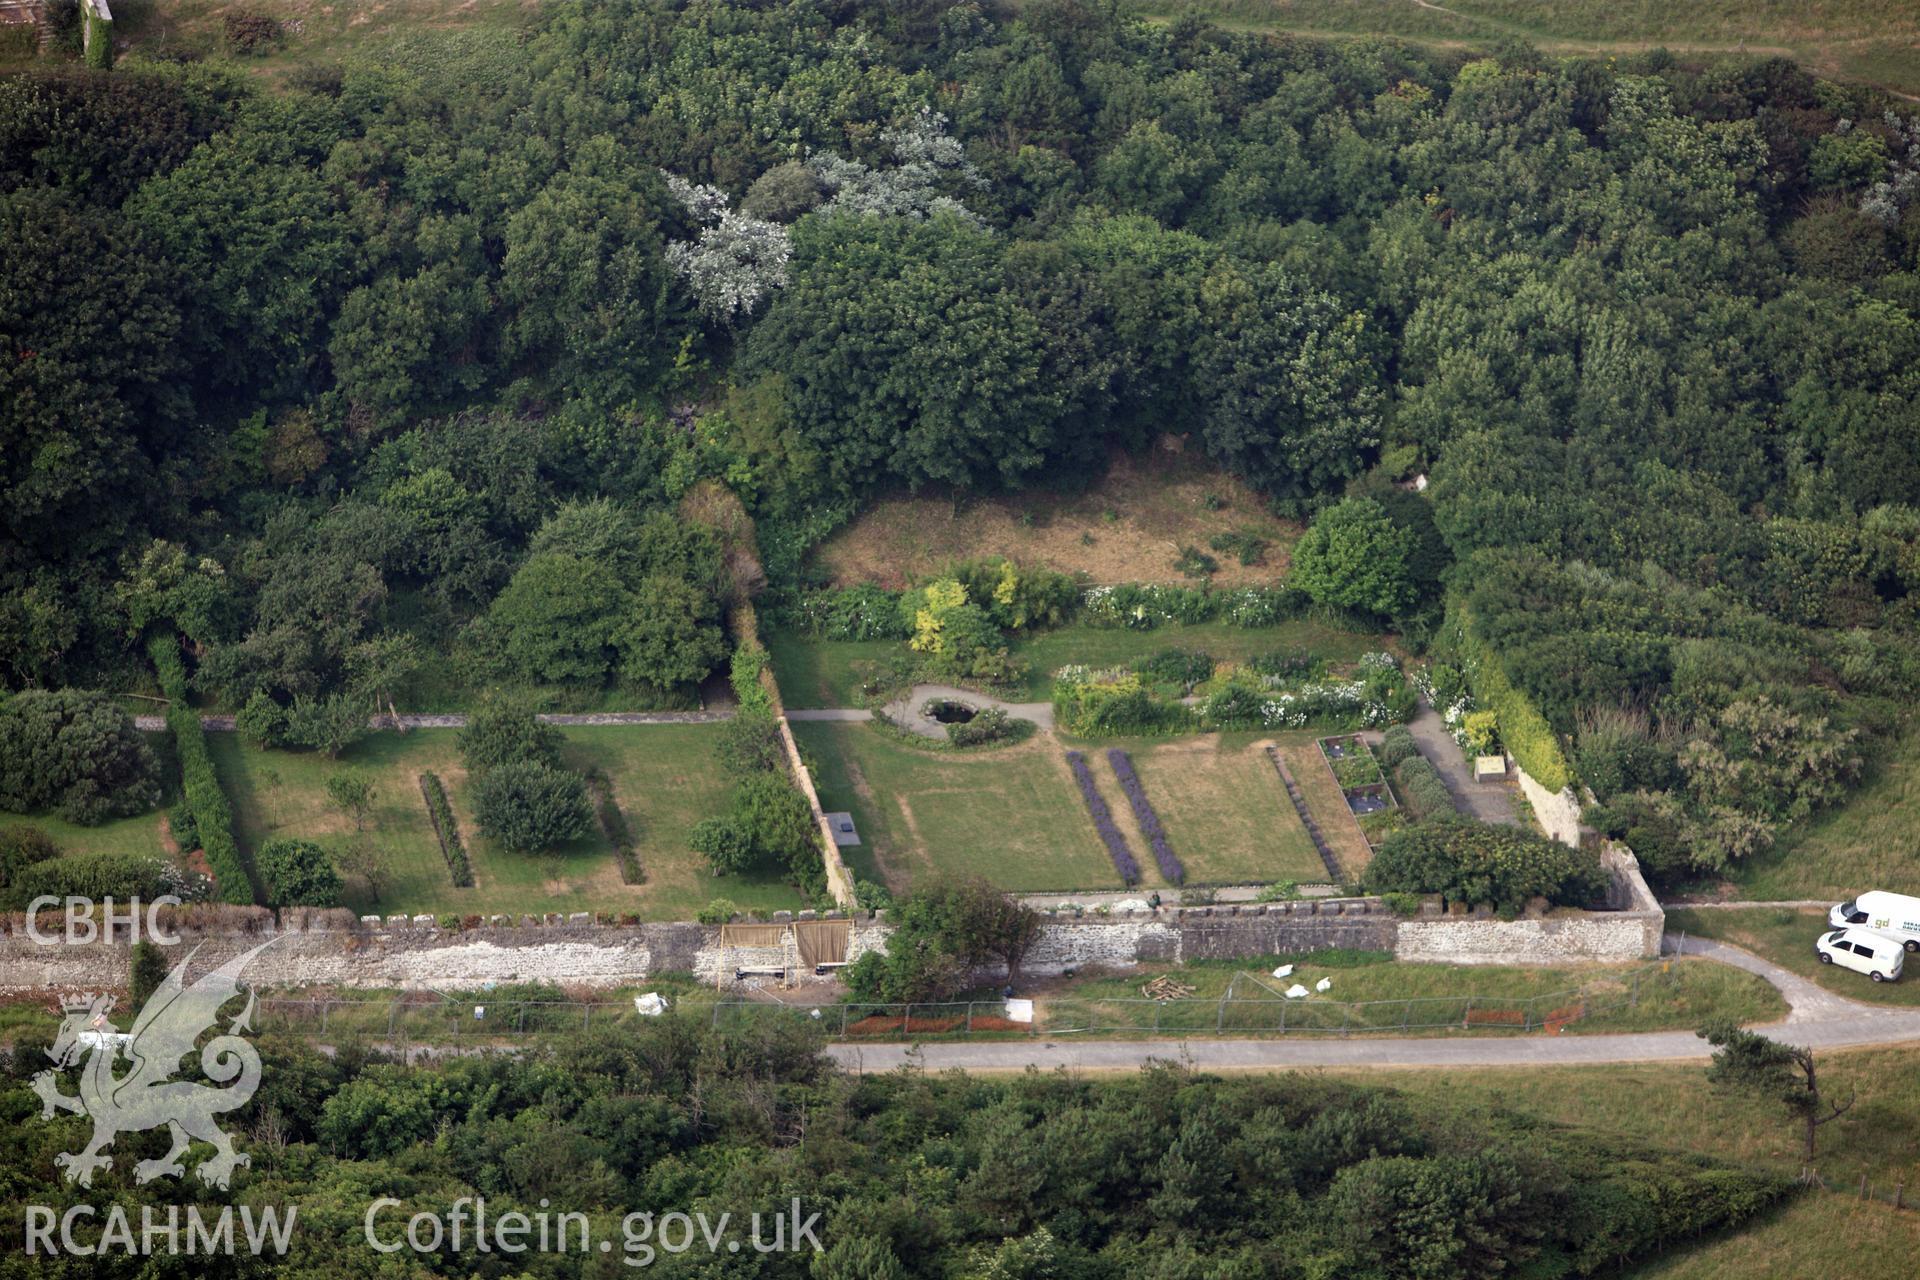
1523	730
613	824
212	816
123	877
98	40
1422	790
440	813
1396	744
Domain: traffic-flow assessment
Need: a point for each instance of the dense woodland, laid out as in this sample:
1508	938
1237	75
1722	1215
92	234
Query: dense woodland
390	381
1167	1175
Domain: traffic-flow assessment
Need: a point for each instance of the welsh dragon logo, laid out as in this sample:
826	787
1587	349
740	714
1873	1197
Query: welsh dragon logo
146	1096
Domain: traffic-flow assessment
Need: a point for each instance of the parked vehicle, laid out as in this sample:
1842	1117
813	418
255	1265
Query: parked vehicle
1863	951
1894	914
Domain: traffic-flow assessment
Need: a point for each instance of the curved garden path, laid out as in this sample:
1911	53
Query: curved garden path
1817	1018
905	709
224	724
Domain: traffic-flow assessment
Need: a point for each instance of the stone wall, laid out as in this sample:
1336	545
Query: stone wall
1630	932
334	949
1558	811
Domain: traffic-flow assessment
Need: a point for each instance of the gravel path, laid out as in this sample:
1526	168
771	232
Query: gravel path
1487	801
1818	1018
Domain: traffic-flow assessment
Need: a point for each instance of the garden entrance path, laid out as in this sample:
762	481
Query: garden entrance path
1486	801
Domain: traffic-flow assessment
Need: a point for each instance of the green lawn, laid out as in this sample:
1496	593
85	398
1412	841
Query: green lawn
142	833
1872	841
1012	815
1785	936
663	776
1685	994
1223	806
820	673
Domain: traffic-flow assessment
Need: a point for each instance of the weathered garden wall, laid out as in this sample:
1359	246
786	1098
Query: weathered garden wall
1558	811
336	949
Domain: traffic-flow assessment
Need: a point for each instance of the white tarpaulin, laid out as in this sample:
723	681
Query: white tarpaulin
1296	992
1323	985
1284	971
650	1005
1019	1011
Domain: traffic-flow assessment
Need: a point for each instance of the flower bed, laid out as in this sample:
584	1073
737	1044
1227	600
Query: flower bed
1123	859
1143	813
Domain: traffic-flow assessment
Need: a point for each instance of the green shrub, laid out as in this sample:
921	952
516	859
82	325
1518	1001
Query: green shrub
1192	562
1421	788
1396	745
1356	771
507	731
1401	904
531	807
444	826
20	849
1481	865
718	911
298	873
120	876
212	816
990	724
724	843
75	752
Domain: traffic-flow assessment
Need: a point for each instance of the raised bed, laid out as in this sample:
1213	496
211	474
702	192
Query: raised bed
1357	772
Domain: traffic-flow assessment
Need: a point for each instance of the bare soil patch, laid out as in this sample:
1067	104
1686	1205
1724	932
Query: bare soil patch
1128	527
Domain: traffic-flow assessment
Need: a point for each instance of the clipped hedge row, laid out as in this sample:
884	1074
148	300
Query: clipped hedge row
212	816
1423	792
1527	736
1396	744
613	824
440	813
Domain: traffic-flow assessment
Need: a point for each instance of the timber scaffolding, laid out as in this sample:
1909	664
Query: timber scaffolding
15	13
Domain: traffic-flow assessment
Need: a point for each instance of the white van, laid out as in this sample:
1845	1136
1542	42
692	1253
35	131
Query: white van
1894	914
1863	951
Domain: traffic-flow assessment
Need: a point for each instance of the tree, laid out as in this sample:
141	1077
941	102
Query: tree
531	807
361	860
725	844
906	355
1355	557
74	752
777	822
297	873
943	932
351	792
671	636
1785	1073
91	389
1288	379
505	730
559	619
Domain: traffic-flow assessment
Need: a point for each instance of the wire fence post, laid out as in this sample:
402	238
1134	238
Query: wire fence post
1635	999
1466	1014
906	1019
326	1007
1156	1017
969	1017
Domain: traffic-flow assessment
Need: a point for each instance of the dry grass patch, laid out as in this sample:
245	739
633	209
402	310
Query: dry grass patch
1326	803
1225	810
1128	527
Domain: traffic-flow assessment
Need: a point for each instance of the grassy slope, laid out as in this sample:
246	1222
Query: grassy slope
662	775
1867	843
1681	997
1870	40
1785	937
1811	1235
